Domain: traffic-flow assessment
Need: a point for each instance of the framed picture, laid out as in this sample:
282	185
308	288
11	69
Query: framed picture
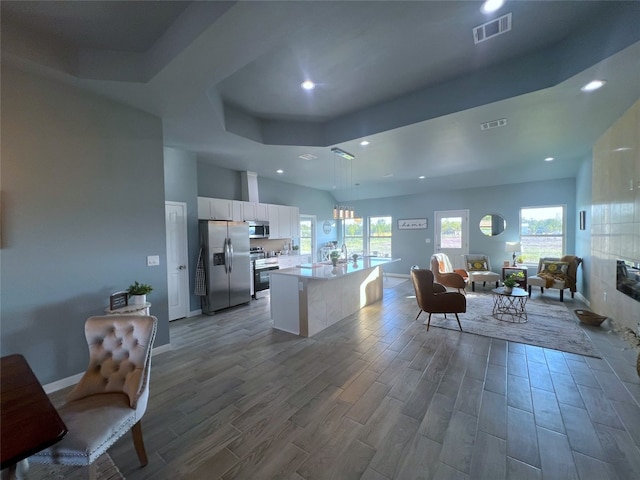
412	224
118	300
583	219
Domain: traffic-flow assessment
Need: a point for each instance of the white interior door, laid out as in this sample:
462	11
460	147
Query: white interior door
452	235
177	264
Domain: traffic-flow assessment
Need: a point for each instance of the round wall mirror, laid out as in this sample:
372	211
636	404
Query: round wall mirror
492	224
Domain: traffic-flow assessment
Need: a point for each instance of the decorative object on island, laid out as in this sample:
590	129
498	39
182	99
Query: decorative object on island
334	256
513	248
138	292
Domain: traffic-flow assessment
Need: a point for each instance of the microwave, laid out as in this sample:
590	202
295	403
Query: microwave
258	229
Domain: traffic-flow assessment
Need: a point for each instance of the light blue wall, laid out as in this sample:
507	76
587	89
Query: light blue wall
180	185
410	245
584	201
82	207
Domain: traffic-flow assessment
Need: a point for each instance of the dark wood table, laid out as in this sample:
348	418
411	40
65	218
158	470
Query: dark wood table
29	422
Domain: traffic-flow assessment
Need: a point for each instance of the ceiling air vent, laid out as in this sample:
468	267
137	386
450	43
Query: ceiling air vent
307	156
491	29
493	124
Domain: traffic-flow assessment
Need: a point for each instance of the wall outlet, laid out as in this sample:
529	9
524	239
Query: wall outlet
153	260
427	240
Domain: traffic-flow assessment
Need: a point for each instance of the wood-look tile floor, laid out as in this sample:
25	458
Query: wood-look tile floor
376	396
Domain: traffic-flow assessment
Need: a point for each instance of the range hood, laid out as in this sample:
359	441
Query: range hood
250	187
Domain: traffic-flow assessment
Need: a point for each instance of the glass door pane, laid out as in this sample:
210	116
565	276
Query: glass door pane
452	232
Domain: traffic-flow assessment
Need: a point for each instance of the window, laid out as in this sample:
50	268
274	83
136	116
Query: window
306	236
353	235
380	236
542	232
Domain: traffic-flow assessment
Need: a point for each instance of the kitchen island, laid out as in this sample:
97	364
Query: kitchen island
309	298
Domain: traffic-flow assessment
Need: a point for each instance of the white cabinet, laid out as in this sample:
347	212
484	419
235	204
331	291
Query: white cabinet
248	211
284	221
255	211
219	209
274	222
295	222
262	212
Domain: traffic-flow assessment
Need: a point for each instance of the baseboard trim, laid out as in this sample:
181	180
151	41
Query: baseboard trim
73	379
195	313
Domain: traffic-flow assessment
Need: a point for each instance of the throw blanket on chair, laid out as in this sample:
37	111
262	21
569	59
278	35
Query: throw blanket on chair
568	278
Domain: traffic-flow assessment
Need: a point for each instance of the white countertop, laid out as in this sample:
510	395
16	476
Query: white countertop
324	271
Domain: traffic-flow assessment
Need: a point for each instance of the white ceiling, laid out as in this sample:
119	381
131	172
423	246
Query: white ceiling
225	78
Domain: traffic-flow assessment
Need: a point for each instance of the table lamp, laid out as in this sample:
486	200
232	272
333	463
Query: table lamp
512	247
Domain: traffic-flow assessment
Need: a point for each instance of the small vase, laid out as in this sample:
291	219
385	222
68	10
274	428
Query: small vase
508	289
138	299
334	261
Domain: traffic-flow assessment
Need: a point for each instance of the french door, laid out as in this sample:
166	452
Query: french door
452	235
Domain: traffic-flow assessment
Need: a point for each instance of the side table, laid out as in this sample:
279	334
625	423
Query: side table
522	282
510	305
133	309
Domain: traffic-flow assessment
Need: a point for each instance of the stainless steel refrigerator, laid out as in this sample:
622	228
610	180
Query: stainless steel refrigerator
227	270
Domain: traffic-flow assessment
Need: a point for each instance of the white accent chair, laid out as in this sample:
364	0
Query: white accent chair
559	273
446	275
478	267
112	395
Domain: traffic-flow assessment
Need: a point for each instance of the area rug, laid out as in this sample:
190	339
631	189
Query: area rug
550	325
106	470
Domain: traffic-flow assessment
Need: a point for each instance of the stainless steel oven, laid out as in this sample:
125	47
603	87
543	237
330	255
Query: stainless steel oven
261	274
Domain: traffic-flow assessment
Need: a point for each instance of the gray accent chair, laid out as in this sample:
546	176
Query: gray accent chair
112	395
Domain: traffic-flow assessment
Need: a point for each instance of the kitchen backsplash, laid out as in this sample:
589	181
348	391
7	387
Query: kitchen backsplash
272	245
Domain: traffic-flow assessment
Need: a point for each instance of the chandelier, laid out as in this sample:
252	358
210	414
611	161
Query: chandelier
343	212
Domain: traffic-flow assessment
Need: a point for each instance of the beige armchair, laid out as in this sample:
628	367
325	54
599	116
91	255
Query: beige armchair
559	273
446	275
111	396
434	298
479	270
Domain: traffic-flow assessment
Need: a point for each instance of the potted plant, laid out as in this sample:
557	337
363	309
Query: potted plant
138	292
510	282
334	256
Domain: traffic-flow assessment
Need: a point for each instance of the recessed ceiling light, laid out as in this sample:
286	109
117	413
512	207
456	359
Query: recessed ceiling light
308	85
593	85
387	175
491	6
279	171
364	143
549	159
622	149
421	177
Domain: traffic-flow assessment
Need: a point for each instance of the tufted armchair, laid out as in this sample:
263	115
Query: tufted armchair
111	396
446	275
434	298
479	269
559	273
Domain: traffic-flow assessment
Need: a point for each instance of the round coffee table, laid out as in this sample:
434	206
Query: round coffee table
510	307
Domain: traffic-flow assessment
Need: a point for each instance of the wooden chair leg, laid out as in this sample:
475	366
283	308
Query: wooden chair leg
138	442
529	290
458	321
473	286
429	322
562	295
418	314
